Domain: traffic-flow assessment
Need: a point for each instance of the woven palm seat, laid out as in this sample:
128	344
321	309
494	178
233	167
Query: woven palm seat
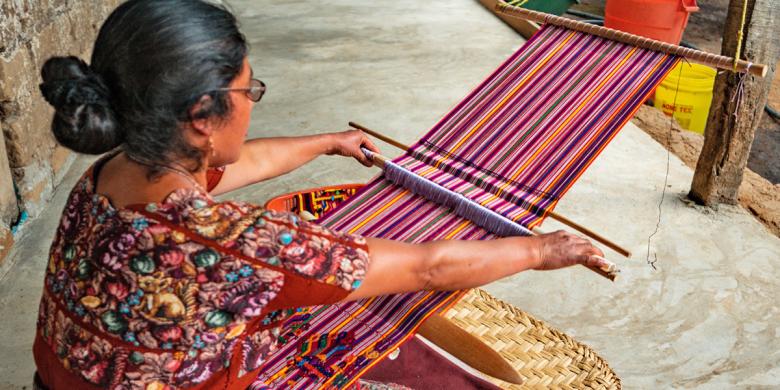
545	357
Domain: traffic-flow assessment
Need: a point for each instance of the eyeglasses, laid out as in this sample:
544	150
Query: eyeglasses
254	91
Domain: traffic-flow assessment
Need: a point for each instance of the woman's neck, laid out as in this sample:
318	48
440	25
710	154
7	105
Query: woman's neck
125	182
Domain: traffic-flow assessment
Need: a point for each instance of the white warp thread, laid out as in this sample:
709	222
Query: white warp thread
461	205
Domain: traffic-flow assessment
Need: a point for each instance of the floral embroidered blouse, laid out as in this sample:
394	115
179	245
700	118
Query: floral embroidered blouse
189	292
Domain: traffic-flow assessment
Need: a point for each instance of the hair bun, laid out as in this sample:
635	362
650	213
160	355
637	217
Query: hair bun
70	81
85	121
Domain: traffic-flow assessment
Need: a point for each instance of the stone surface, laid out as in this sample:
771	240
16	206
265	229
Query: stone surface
6	242
61	159
8	207
34	31
707	318
31	31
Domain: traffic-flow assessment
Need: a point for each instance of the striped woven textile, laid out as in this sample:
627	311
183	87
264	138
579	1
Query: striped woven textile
320	202
515	144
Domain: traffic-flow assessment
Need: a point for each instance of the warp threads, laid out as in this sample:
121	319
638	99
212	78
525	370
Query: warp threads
461	205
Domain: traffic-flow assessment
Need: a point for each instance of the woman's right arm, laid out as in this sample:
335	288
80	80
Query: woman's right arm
398	267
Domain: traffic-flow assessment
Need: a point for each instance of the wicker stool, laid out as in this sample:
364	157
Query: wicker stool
543	356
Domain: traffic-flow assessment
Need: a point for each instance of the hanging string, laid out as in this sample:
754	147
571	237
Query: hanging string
736	100
740	34
668	163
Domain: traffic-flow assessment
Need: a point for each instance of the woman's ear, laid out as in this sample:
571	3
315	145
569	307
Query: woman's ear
200	119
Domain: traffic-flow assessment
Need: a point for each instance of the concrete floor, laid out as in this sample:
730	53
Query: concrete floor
707	318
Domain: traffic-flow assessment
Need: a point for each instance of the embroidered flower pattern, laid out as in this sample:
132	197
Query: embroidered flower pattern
161	297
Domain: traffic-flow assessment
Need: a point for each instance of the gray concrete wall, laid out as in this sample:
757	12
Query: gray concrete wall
31	31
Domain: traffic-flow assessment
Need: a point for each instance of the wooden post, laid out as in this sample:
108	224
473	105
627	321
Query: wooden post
733	121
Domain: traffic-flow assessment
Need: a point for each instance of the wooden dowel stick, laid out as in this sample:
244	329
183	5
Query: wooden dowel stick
380	136
582	229
701	57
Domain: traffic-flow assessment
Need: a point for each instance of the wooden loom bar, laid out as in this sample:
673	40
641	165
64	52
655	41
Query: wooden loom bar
698	56
566	221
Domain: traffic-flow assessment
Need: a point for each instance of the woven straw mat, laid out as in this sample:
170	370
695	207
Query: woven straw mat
543	356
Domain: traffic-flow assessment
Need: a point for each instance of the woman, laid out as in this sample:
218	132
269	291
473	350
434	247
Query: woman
151	283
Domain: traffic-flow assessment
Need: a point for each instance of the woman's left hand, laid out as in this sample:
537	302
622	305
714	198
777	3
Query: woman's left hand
348	143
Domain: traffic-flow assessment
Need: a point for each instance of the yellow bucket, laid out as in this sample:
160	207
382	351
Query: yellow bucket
694	95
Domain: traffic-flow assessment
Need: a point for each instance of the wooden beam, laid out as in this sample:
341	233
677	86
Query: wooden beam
698	56
733	119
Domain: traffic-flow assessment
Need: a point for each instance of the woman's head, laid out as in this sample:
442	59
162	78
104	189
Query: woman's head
159	67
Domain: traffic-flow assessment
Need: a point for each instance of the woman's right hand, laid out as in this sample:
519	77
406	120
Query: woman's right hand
398	267
561	249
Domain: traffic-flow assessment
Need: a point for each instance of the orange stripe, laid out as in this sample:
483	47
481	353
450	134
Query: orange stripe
604	145
383	208
355	314
571	117
457	229
592	139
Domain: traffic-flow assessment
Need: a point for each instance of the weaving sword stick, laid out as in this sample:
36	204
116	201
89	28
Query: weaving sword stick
522	136
617	248
469	349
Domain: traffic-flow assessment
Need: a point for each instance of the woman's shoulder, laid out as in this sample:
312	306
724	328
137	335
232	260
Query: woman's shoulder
281	240
226	220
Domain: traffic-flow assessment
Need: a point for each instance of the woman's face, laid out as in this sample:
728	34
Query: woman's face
230	132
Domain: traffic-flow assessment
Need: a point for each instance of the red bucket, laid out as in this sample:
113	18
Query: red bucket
664	20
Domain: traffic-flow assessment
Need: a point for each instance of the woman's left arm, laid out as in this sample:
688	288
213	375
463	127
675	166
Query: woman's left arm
265	158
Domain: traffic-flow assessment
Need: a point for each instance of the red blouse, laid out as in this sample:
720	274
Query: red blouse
186	293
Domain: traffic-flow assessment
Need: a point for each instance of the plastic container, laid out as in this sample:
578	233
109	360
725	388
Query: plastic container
555	7
664	20
694	95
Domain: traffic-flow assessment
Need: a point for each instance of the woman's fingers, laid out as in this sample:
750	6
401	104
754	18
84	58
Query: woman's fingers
592	261
563	249
363	159
348	144
368	144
